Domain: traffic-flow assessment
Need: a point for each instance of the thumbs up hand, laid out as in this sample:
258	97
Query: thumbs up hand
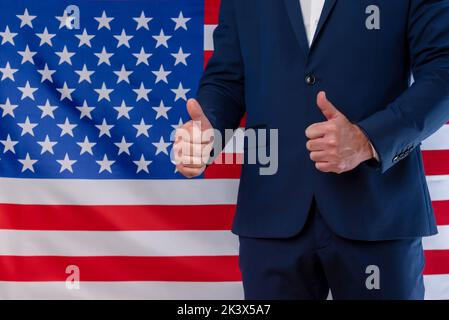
194	142
336	145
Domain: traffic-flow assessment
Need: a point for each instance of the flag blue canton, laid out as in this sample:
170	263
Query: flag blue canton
101	101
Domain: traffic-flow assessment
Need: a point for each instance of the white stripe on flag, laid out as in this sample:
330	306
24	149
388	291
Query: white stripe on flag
437	287
118	243
438	141
439	187
209	37
142	192
118	192
122	291
439	241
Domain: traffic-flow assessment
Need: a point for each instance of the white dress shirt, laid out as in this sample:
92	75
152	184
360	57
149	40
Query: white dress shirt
311	13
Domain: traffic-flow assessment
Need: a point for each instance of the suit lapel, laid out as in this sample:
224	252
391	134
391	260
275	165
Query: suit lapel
295	15
327	9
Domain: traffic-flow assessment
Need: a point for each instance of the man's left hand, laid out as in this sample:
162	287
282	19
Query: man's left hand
336	145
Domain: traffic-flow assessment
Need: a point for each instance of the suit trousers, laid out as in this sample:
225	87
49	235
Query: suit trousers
317	260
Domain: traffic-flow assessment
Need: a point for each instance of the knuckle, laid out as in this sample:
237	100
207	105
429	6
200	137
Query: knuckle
177	148
332	127
341	168
309	145
332	142
334	153
312	156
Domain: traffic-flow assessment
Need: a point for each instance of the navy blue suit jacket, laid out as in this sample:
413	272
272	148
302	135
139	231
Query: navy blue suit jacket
259	67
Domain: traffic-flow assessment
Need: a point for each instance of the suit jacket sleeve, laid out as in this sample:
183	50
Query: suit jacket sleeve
221	89
424	107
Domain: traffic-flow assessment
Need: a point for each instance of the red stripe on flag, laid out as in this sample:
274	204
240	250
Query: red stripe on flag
221	268
229	168
116	218
207	56
223	171
211	11
436	162
45	268
243	121
437	262
441	209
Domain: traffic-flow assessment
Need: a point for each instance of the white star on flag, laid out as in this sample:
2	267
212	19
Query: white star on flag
47	110
47	145
162	39
26	19
65	56
8	108
85	39
85	110
123	110
27	91
104	57
103	93
27	127
142	164
105	164
66	164
66	92
105	129
46	74
142	21
123	39
67	128
86	146
181	22
84	74
181	57
162	110
161	75
180	92
142	128
27	55
123	146
9	144
142	57
123	74
8	72
142	92
65	21
8	36
45	38
104	21
161	146
27	163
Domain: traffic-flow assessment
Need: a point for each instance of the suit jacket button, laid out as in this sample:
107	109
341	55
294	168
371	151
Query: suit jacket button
310	80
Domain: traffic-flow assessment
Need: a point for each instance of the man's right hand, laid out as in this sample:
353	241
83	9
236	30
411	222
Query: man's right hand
194	142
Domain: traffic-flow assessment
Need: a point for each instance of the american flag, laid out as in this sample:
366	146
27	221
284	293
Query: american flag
87	187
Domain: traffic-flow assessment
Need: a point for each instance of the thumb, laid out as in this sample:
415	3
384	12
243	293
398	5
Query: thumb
326	107
196	113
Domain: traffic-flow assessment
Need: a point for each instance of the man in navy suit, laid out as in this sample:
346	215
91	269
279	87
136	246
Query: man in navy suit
349	204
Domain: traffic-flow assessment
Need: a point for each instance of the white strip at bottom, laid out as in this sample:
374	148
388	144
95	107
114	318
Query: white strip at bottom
437	288
122	291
